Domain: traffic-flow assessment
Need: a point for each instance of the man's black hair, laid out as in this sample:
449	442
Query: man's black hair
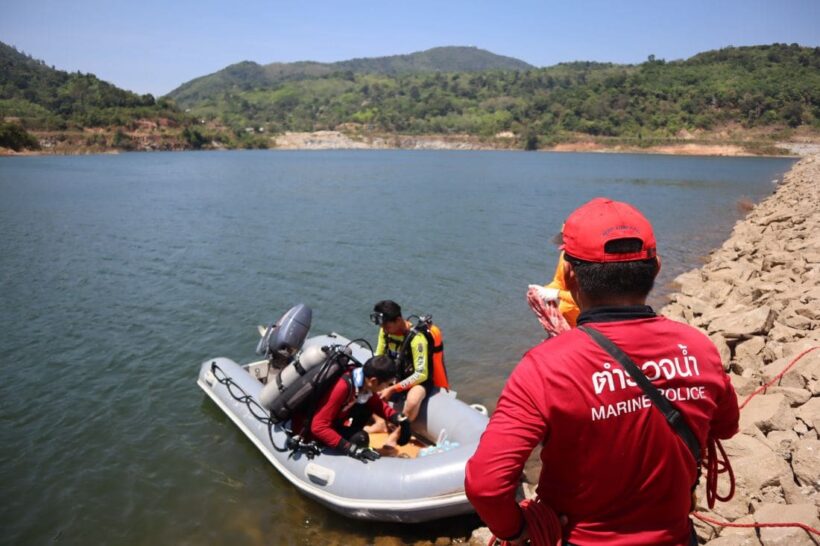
600	281
389	308
381	367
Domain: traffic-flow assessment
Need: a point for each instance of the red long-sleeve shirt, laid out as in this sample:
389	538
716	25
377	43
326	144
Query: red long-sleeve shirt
610	461
333	410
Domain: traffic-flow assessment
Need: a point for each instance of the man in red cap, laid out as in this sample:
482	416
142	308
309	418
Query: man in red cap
613	467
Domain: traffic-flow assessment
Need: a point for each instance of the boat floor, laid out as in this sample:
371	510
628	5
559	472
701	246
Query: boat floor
409	451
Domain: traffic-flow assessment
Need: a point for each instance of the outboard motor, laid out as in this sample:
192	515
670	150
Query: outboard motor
285	337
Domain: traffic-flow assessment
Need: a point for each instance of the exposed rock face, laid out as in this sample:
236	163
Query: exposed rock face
758	299
337	140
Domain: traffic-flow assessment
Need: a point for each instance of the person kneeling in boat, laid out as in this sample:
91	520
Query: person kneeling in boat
418	352
341	414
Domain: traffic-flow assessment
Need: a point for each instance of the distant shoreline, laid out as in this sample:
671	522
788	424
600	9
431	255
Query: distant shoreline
338	140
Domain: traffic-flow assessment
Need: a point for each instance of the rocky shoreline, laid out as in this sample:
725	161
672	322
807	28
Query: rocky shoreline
758	299
339	140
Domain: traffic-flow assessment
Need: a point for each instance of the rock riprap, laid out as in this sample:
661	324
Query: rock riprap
758	299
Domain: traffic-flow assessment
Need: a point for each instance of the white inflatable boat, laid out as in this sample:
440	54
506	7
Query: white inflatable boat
388	489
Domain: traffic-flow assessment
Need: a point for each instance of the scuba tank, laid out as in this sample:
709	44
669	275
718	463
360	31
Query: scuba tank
437	372
304	379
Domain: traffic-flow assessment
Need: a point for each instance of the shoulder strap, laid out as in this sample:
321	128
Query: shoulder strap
673	416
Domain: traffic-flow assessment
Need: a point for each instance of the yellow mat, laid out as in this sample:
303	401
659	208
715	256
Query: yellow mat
409	451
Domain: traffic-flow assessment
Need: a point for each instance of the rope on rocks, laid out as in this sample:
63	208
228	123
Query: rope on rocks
716	466
707	519
778	376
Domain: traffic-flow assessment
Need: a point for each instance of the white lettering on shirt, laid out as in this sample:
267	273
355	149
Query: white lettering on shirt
680	394
616	379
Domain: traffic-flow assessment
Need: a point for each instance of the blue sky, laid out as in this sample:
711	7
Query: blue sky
152	46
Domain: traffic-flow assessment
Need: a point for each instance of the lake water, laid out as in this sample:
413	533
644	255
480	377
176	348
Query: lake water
120	274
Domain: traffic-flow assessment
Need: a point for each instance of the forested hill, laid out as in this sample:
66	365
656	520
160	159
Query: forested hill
761	86
46	98
250	75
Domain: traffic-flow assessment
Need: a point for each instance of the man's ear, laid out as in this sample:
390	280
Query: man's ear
570	280
658	266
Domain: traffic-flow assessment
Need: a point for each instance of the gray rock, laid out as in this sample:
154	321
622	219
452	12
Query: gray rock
797	494
804	372
806	463
791	378
673	311
733	540
751	354
689	282
753	473
783	442
797	315
745	324
750	348
481	537
796	397
744	386
775	217
786	513
723	349
809	413
810	312
803	430
767	413
781	332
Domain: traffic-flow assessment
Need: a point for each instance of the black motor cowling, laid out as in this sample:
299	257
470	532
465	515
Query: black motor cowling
285	337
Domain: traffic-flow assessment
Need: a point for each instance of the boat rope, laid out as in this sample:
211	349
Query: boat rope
294	443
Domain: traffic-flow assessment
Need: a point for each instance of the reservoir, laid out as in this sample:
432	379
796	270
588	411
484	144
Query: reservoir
120	274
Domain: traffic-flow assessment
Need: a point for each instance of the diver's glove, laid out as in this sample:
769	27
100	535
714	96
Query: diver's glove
403	422
362	453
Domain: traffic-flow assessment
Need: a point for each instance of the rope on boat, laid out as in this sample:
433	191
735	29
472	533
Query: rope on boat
262	416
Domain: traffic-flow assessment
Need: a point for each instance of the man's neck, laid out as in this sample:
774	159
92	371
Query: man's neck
611	302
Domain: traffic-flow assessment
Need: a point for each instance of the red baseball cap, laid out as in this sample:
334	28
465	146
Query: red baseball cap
591	226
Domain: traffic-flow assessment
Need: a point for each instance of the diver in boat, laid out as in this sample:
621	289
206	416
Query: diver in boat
338	419
418	352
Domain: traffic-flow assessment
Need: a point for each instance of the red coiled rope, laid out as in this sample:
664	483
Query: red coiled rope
715	467
542	522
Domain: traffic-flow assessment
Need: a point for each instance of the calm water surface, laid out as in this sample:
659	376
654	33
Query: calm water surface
120	274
